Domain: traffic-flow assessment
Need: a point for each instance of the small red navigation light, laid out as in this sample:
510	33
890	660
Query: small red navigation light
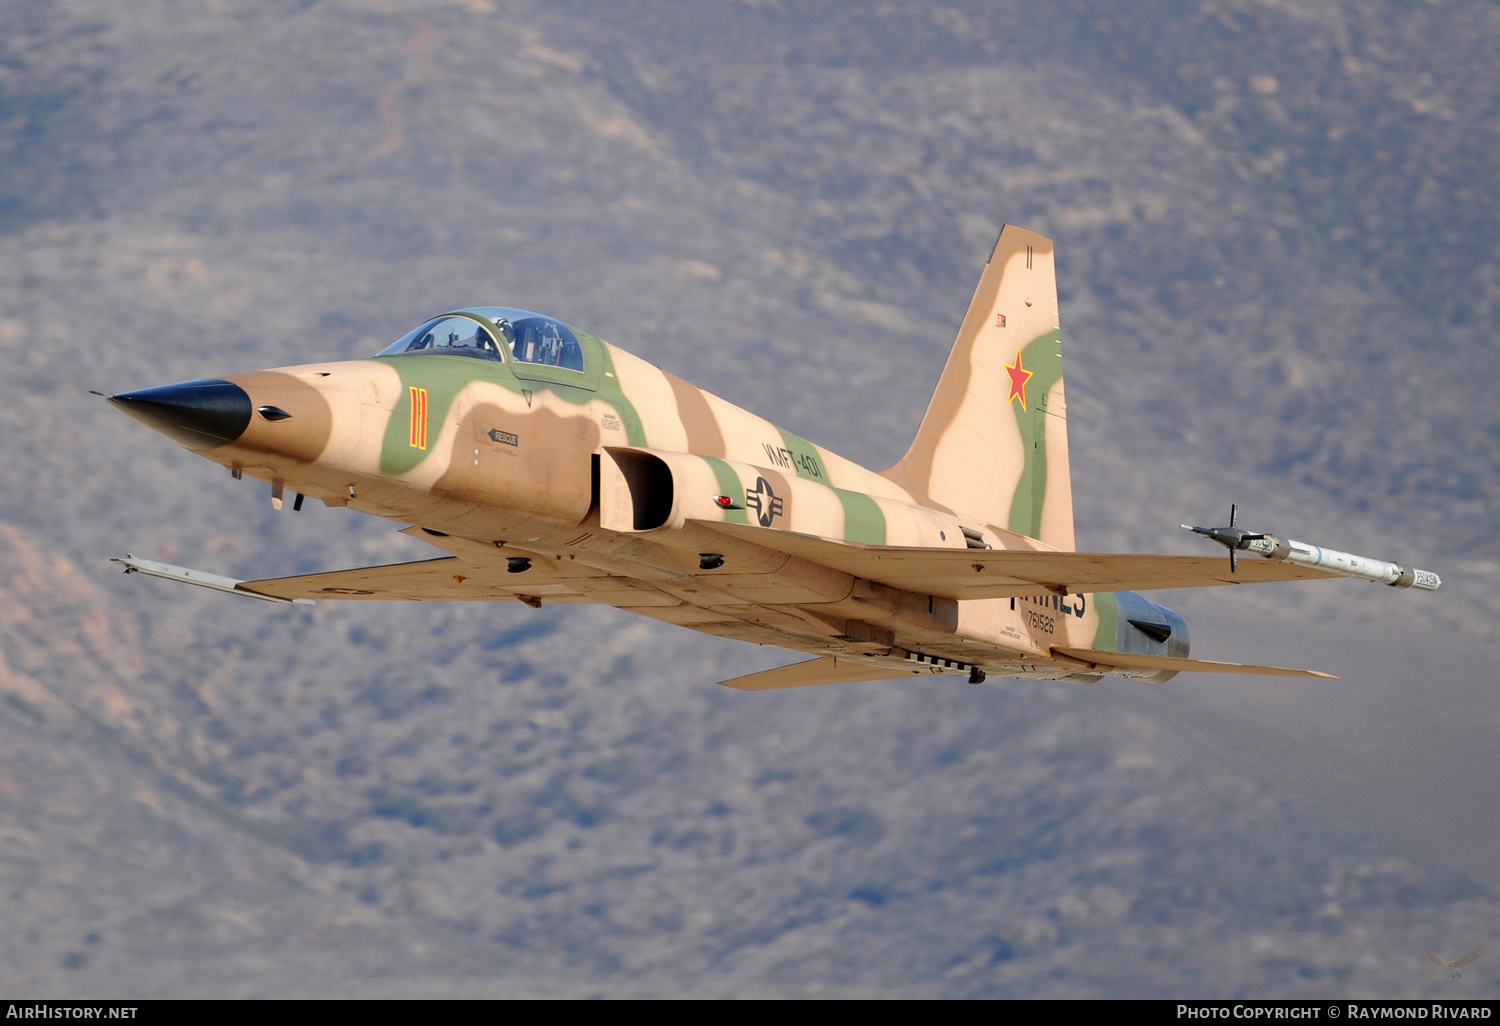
723	501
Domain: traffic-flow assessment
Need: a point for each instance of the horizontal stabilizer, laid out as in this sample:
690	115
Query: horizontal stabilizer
1013	573
823	670
1133	661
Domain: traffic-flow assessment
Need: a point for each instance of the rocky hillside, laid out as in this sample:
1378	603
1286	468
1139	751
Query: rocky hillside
1278	273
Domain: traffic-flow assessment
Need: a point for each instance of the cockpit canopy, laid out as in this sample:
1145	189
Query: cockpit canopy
481	331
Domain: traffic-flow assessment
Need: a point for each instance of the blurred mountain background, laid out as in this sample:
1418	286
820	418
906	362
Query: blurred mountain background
1279	261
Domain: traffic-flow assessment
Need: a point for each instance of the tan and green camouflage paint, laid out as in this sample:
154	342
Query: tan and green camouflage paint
980	452
509	458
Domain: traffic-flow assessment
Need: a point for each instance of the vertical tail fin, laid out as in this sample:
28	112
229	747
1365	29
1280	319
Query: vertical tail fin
993	444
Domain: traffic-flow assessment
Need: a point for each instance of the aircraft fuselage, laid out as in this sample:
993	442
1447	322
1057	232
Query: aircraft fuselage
619	470
553	467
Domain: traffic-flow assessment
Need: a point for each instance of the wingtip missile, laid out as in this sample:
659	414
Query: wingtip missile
1345	564
199	578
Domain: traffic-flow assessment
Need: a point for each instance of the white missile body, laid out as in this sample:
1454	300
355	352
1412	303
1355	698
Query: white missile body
200	578
1343	563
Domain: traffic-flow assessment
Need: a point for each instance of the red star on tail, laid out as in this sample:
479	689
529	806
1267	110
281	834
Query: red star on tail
1018	377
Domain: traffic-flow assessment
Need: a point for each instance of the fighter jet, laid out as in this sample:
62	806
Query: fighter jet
553	467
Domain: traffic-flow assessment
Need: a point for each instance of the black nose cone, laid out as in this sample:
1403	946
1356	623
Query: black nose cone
198	414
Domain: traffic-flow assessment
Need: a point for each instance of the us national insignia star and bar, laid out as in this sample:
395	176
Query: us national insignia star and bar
547	466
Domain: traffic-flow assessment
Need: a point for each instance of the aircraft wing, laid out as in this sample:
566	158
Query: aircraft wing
1133	661
447	578
1012	573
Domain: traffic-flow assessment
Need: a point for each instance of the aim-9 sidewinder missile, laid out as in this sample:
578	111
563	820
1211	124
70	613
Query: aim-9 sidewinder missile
1345	564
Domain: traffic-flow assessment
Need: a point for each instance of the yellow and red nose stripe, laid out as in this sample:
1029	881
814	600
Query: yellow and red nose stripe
418	418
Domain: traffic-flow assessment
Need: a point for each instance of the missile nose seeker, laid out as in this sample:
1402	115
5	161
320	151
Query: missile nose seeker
204	414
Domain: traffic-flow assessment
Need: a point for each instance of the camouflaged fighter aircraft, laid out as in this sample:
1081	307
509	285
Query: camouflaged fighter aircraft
553	467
